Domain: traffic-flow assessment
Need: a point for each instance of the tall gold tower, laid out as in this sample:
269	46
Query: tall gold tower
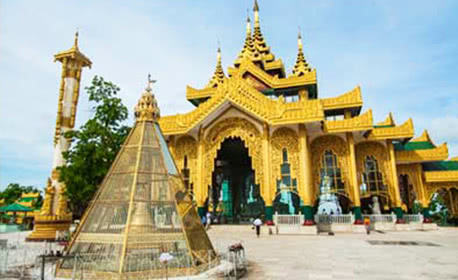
54	214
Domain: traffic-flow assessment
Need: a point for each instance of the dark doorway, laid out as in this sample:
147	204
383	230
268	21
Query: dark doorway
234	197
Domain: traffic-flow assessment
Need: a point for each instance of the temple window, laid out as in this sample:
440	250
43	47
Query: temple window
330	174
373	178
285	169
291	98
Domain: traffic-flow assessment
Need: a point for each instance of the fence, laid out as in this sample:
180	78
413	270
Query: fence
19	260
344	219
390	218
413	219
288	220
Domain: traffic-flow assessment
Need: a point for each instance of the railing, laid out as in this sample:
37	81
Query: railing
417	218
335	219
390	218
288	220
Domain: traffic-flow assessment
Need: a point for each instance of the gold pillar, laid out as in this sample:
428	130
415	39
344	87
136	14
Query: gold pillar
54	215
424	200
353	171
394	176
200	190
267	189
305	165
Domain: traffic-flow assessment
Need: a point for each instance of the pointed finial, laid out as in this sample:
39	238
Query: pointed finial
150	83
256	13
248	25
147	109
75	44
299	39
255	6
218	53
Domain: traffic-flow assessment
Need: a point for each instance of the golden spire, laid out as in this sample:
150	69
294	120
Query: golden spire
147	109
218	76
258	39
301	66
248	50
256	13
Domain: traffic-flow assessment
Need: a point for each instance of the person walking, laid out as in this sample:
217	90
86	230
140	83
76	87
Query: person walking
367	224
209	220
257	223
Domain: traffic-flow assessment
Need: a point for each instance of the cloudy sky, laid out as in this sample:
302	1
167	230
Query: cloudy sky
403	54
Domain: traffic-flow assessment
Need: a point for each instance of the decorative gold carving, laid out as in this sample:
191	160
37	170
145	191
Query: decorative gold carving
46	209
273	81
218	76
75	54
301	67
192	93
339	147
232	128
238	92
424	137
62	205
380	153
284	138
403	131
441	176
187	146
349	99
147	109
362	122
389	121
438	153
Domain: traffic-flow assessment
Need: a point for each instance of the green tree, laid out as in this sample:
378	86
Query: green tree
96	144
14	191
439	211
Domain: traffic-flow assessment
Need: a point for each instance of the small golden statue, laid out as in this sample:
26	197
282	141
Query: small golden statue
62	207
46	209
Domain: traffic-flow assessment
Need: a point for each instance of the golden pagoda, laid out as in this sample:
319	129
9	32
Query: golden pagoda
140	211
261	141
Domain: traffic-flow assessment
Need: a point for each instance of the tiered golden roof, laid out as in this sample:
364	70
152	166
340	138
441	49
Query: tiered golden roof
301	67
74	53
251	84
218	76
248	51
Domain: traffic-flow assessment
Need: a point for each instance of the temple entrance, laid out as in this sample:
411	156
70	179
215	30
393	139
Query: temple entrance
408	195
234	197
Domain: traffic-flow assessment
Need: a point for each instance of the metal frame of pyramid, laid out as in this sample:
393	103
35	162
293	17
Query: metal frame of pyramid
140	211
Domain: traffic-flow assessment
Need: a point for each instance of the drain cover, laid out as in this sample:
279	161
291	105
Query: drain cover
402	243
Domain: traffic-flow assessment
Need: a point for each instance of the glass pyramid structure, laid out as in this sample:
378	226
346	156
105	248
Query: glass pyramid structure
140	211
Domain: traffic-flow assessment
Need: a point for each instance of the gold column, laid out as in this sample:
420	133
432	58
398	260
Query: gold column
353	171
424	200
54	215
394	176
305	164
306	185
200	189
267	188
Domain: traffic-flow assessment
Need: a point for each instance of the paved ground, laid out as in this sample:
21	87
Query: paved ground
345	256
